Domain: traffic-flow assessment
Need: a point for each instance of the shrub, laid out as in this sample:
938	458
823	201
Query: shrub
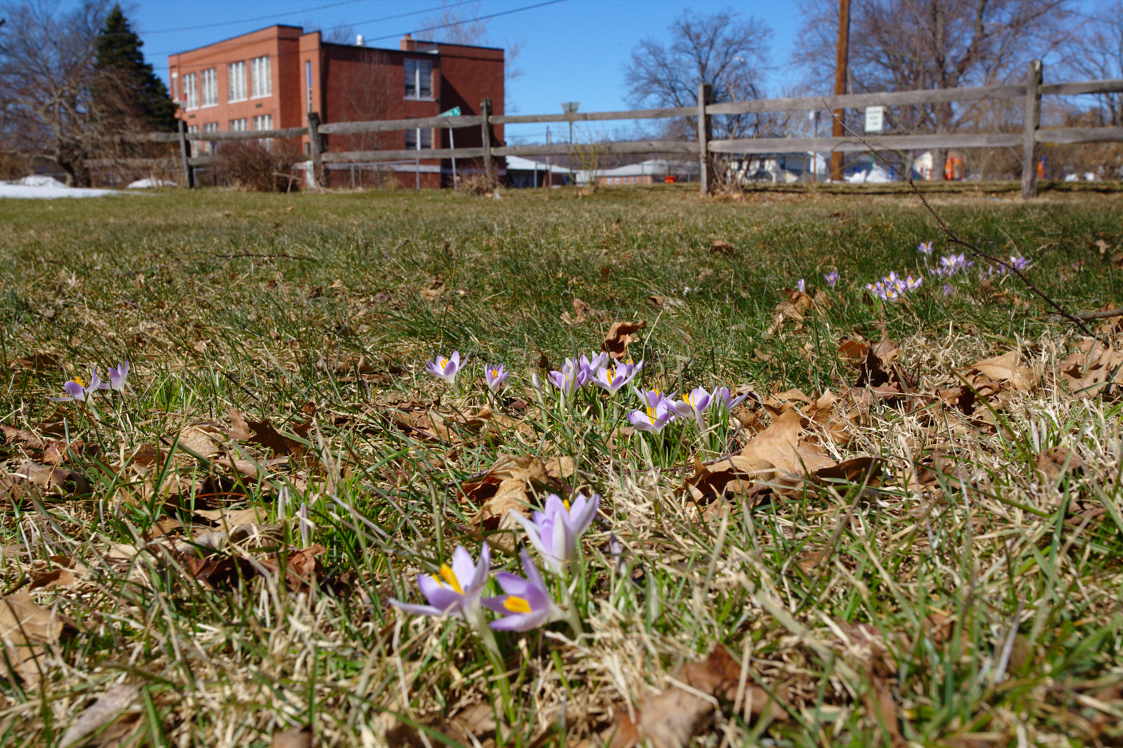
253	165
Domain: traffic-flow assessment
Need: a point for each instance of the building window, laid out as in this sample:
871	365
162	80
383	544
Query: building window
308	81
190	93
210	87
238	125
419	79
236	72
262	77
263	122
419	138
208	146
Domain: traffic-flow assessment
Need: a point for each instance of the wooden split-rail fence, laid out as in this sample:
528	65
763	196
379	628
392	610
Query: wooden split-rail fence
704	147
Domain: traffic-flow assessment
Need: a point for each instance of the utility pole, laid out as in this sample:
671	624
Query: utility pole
841	69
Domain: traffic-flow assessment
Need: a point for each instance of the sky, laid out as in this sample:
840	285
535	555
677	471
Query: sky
572	50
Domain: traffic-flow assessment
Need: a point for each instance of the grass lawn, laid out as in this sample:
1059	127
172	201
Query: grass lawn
910	530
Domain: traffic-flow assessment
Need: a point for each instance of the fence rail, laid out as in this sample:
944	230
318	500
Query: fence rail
704	147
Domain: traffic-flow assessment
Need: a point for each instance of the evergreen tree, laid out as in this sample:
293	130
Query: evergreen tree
126	91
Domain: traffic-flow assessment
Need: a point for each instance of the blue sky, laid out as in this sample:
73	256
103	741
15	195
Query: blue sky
573	50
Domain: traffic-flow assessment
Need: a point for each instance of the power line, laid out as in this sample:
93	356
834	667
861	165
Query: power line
351	25
202	65
255	18
470	20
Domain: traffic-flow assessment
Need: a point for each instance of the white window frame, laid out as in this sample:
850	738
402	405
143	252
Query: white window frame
236	80
239	124
208	146
190	92
422	139
262	75
210	87
308	81
416	72
260	119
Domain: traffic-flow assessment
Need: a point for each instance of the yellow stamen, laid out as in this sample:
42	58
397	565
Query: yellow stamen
495	373
565	503
442	363
651	414
516	604
611	374
79	381
686	399
450	579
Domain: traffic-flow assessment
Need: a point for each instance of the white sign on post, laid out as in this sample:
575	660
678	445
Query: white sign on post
875	118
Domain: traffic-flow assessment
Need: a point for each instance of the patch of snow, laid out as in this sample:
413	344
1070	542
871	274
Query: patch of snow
147	183
873	175
39	180
49	193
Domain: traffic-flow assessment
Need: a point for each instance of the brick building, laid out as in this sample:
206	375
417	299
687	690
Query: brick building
272	78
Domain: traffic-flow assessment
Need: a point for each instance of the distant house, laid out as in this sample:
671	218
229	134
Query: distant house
651	171
523	172
272	78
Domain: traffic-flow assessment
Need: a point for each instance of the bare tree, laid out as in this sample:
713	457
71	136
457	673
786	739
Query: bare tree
723	49
457	23
900	45
1100	55
46	68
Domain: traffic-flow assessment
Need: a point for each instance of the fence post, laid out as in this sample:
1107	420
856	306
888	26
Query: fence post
485	137
185	156
316	150
705	130
1029	134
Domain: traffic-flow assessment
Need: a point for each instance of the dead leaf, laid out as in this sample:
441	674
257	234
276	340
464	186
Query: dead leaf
721	247
665	302
1056	462
791	308
672	717
296	737
57	571
620	336
1093	370
108	708
239	429
434	290
201	440
20	437
47	479
862	645
582	313
302	567
27	629
1004	369
510	484
267	436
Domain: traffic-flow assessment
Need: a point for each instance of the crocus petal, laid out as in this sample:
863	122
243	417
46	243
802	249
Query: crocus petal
421	610
531	529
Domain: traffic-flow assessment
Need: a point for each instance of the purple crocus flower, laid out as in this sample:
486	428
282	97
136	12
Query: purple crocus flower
118	375
658	411
555	531
693	404
588	367
526	603
612	379
567	379
77	389
801	285
445	368
924	248
1019	263
722	396
831	278
495	376
452	590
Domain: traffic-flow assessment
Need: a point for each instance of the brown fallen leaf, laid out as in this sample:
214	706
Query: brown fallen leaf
434	290
27	630
265	434
108	709
1056	462
239	429
1093	370
1005	369
862	645
792	307
200	440
510	484
296	737
302	567
45	479
620	336
57	571
472	725
721	247
672	717
10	436
581	314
